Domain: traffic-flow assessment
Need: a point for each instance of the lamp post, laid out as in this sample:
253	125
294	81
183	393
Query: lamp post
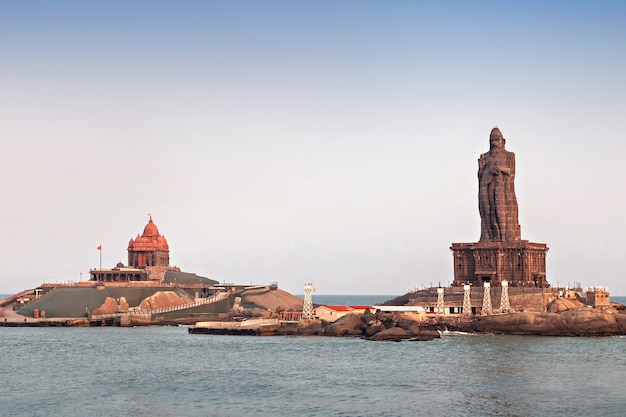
487	297
505	306
440	304
467	301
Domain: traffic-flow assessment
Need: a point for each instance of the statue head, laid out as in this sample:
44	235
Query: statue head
496	140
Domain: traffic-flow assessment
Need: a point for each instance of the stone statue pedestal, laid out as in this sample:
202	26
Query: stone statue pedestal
521	263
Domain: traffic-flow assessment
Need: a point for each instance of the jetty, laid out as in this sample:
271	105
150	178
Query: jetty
248	327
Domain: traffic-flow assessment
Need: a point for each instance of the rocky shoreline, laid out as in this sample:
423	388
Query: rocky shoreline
563	318
585	322
580	322
370	326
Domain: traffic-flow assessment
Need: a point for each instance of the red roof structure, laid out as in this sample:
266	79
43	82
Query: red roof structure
339	308
361	307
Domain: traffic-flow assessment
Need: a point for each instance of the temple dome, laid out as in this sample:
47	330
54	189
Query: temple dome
150	230
162	243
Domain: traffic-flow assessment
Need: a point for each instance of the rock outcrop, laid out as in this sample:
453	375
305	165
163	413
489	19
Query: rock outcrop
559	305
111	306
348	325
312	328
576	322
393	334
273	300
162	299
379	327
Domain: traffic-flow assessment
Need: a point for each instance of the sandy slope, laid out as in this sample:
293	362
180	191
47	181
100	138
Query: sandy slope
274	300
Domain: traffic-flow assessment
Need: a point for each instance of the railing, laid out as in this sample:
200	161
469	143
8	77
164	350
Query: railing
257	290
12	298
197	303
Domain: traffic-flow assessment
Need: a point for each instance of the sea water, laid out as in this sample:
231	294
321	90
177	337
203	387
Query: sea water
164	371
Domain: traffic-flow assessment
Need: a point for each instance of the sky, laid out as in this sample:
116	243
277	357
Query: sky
332	142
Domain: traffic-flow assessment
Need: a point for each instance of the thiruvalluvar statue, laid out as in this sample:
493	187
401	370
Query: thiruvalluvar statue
496	192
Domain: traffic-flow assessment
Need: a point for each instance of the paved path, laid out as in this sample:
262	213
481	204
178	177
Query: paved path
9	315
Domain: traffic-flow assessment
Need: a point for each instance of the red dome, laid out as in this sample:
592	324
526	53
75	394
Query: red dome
150	239
162	243
150	230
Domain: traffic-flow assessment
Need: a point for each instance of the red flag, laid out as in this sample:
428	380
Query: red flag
99	247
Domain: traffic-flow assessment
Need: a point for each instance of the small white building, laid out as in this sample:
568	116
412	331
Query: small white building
598	297
400	309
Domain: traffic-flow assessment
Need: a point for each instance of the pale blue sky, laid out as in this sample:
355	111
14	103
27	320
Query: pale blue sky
329	141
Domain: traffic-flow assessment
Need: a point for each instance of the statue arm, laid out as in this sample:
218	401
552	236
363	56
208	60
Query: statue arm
511	167
481	166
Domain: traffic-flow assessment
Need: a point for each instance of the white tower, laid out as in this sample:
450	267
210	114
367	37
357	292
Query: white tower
487	298
505	306
440	308
307	308
467	301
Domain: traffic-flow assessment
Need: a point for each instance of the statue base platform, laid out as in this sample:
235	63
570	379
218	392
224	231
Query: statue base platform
521	263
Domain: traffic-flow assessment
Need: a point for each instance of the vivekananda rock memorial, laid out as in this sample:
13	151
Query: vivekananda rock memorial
500	254
148	260
146	291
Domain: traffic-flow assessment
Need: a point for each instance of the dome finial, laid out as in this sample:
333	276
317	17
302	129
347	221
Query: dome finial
151	229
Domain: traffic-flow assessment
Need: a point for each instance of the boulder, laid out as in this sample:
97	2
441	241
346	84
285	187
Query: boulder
393	334
559	305
407	324
402	327
162	299
372	329
426	335
313	328
385	320
368	317
348	325
112	305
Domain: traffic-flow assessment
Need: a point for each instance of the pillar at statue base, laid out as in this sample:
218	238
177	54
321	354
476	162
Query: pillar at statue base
521	263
